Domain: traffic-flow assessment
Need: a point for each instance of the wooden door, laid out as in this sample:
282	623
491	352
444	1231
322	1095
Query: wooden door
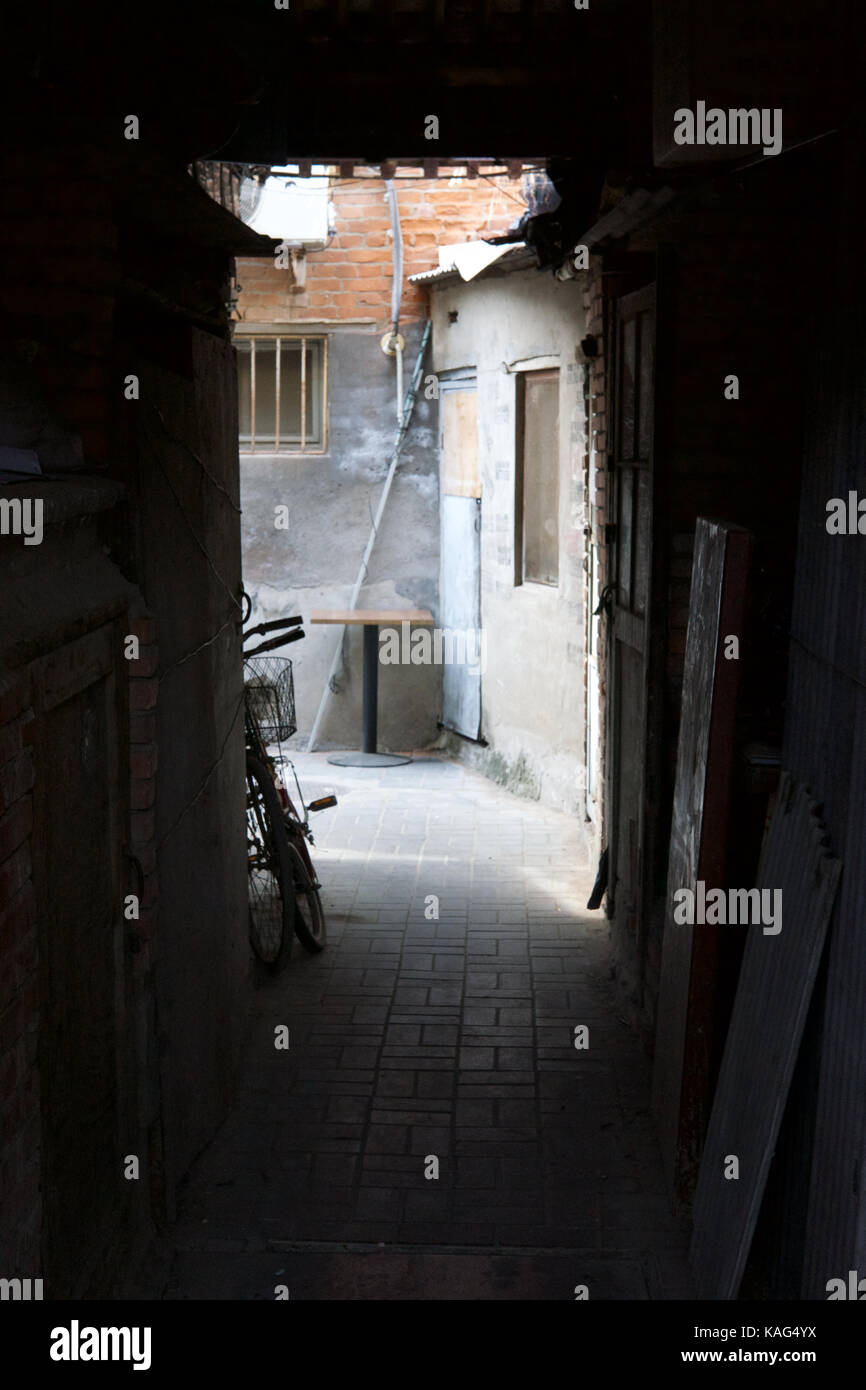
633	373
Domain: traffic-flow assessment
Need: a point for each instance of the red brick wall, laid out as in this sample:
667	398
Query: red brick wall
353	277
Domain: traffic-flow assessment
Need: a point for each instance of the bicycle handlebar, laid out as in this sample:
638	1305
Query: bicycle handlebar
272	626
281	641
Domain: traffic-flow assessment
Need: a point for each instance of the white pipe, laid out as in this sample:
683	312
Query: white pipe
396	285
397	239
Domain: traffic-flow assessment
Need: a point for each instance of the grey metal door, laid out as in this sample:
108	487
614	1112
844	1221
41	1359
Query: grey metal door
460	581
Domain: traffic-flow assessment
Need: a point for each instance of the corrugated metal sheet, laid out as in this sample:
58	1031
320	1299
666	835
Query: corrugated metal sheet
517	257
773	996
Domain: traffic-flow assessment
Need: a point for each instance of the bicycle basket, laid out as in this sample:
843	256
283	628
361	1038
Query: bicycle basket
270	696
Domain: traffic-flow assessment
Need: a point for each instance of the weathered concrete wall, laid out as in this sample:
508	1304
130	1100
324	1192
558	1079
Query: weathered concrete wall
533	689
332	499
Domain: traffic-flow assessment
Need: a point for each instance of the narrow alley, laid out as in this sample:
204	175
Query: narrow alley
464	400
412	1037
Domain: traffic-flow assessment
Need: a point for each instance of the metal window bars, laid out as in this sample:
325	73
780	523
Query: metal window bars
319	384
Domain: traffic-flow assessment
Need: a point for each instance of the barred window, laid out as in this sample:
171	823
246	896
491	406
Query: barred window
282	394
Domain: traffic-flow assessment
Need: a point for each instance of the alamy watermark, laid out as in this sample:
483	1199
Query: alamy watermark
21	1290
22	516
731	907
736	126
434	647
846	518
854	1288
77	1343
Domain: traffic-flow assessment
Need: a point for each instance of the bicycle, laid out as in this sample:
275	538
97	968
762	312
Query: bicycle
283	889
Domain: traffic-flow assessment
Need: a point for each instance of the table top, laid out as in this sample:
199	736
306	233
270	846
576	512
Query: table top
384	617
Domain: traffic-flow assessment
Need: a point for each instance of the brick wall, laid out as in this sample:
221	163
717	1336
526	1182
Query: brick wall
353	277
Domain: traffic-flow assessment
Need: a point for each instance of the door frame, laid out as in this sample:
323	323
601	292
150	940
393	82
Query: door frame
629	625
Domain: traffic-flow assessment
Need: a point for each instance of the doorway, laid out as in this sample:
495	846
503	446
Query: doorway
632	464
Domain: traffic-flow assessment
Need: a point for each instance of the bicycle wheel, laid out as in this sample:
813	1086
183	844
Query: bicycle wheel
309	917
270	870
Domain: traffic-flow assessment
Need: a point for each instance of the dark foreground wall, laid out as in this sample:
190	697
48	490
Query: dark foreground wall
123	952
821	1177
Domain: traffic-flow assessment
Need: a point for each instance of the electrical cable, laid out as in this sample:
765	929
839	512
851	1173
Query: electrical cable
229	622
183	445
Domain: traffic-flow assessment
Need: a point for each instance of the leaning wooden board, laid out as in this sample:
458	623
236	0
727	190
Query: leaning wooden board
773	994
687	1008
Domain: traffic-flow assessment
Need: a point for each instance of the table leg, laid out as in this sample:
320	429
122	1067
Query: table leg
370	695
368	757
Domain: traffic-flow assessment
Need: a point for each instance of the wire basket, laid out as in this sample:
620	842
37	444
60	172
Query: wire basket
270	696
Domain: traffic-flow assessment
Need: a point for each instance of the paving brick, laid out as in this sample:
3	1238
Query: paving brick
474	1112
435	1084
434	1205
479	1014
394	1058
387	1139
376	1204
396	1083
476	1058
445	994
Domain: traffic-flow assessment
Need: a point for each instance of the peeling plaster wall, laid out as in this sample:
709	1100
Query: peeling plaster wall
533	690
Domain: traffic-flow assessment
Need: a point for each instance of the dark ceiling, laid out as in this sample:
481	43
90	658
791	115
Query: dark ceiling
248	82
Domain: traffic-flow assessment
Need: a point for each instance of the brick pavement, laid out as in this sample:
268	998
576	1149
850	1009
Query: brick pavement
413	1038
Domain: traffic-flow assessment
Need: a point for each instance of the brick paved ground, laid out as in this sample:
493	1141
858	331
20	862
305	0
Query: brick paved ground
413	1037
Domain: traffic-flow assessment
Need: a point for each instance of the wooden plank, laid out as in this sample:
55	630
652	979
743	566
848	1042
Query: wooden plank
69	669
459	467
686	1030
775	988
383	616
